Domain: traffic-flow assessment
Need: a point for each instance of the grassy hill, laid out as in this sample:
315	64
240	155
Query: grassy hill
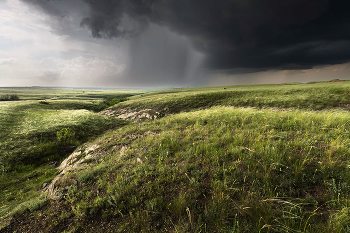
29	129
315	96
260	158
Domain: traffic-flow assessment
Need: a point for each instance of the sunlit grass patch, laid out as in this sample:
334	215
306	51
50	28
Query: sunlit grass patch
223	169
46	120
318	96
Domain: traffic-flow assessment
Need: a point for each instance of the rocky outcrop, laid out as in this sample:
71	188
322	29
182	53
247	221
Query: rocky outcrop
134	115
77	160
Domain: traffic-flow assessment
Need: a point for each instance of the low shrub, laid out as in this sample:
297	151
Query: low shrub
9	97
108	102
66	136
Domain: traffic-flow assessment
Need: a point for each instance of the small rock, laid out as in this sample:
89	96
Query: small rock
53	163
139	160
122	150
58	196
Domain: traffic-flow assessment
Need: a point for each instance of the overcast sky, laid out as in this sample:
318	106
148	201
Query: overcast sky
167	43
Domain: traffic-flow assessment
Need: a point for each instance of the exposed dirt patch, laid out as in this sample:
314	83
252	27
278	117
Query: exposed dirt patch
57	216
54	217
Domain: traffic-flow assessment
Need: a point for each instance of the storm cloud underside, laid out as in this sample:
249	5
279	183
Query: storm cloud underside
239	34
235	36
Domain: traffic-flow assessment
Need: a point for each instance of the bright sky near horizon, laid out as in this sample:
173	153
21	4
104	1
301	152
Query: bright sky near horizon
64	43
31	53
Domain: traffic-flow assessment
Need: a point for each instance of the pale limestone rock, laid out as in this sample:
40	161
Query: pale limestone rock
73	162
127	114
139	160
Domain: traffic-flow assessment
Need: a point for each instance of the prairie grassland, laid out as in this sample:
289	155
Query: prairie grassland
29	145
315	96
33	93
222	169
262	158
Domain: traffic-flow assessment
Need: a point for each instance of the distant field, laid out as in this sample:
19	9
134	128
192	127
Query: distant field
28	93
259	158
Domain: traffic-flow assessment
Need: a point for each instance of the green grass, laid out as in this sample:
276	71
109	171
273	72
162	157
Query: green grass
261	158
29	93
222	169
303	96
29	142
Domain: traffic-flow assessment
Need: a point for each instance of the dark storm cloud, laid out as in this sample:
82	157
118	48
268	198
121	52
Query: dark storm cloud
235	34
64	17
250	34
115	18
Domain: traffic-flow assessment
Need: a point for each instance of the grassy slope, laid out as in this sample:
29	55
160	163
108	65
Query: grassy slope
28	140
217	170
305	96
